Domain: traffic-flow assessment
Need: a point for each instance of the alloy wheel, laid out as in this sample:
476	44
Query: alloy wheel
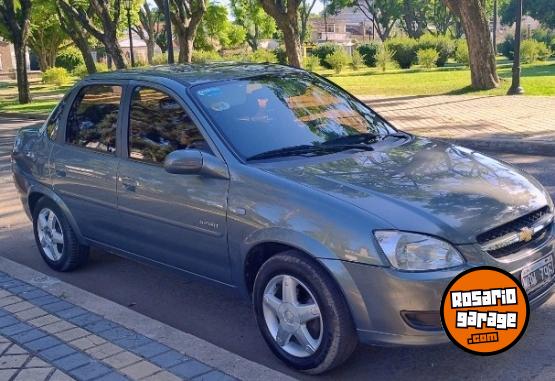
51	236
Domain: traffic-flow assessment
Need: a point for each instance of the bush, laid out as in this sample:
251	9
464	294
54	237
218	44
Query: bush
507	47
444	45
427	57
545	35
461	52
160	59
204	56
281	56
337	60
323	51
356	60
56	76
81	70
311	63
404	51
262	56
369	52
532	51
384	57
69	58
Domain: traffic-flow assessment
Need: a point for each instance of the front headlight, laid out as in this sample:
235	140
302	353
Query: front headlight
417	252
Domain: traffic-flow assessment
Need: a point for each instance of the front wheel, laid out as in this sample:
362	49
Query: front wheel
302	315
56	240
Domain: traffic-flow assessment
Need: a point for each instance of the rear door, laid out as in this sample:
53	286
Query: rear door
179	220
85	162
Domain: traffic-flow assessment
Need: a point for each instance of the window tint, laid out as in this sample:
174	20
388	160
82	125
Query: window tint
93	118
53	123
158	125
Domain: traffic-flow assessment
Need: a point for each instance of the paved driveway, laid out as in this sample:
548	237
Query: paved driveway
215	315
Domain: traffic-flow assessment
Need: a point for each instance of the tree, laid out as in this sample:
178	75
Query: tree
472	14
186	16
257	24
285	13
440	17
541	10
415	15
79	37
304	14
45	34
107	12
383	13
149	29
14	26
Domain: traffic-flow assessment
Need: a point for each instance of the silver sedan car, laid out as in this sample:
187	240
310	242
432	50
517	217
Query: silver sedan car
275	182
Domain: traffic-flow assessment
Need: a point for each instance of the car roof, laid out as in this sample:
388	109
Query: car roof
193	74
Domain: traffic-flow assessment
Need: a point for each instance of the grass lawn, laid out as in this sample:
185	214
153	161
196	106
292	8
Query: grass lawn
537	79
45	97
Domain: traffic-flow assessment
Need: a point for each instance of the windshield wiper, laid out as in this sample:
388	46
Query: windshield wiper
352	139
308	149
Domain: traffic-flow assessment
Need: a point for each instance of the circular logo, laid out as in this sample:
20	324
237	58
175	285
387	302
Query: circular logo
485	310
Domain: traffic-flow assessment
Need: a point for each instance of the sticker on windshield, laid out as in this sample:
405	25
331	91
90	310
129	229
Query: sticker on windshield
485	311
210	92
220	106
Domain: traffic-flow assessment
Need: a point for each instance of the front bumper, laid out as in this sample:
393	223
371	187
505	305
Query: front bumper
383	294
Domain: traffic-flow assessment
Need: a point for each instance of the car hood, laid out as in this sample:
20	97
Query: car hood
423	186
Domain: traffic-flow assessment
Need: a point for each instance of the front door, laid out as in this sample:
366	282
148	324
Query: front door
85	161
178	220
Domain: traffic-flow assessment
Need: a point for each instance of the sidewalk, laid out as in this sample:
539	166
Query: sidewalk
48	333
502	123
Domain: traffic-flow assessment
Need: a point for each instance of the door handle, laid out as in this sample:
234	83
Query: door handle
128	183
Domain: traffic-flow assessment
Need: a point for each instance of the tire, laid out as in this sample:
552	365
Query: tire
332	335
60	252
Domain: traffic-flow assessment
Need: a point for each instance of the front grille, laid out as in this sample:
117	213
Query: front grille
514	226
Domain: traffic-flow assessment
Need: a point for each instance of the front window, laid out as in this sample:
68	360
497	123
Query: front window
270	113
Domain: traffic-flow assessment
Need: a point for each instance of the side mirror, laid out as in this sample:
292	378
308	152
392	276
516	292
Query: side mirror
195	162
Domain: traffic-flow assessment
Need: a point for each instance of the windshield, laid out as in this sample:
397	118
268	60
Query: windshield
270	113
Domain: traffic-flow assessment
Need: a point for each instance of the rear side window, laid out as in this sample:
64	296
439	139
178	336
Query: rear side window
158	125
93	118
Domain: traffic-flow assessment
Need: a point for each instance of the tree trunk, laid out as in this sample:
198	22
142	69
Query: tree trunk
185	50
293	48
472	14
150	50
21	72
43	61
83	46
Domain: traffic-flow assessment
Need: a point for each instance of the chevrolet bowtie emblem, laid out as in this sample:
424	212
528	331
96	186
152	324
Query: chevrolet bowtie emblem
526	234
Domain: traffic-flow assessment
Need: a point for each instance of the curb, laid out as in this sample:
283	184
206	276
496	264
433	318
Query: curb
15	115
190	345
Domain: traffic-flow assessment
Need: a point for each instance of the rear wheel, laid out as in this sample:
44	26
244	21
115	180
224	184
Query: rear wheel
302	314
56	240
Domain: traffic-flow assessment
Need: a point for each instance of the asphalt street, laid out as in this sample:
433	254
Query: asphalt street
218	316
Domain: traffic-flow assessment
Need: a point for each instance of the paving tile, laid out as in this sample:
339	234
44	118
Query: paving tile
4	293
168	359
6	374
112	377
44	320
60	376
15	329
71	362
29	335
58	326
6	321
72	334
85	319
100	326
4	302
90	371
12	361
21	289
35	362
104	350
116	333
43	300
214	375
140	370
87	342
56	352
4	346
30	295
16	307
71	312
43	343
15	350
162	376
190	369
31	313
150	350
134	341
121	360
34	374
57	306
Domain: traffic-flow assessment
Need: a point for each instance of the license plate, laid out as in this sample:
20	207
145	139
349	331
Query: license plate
537	274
